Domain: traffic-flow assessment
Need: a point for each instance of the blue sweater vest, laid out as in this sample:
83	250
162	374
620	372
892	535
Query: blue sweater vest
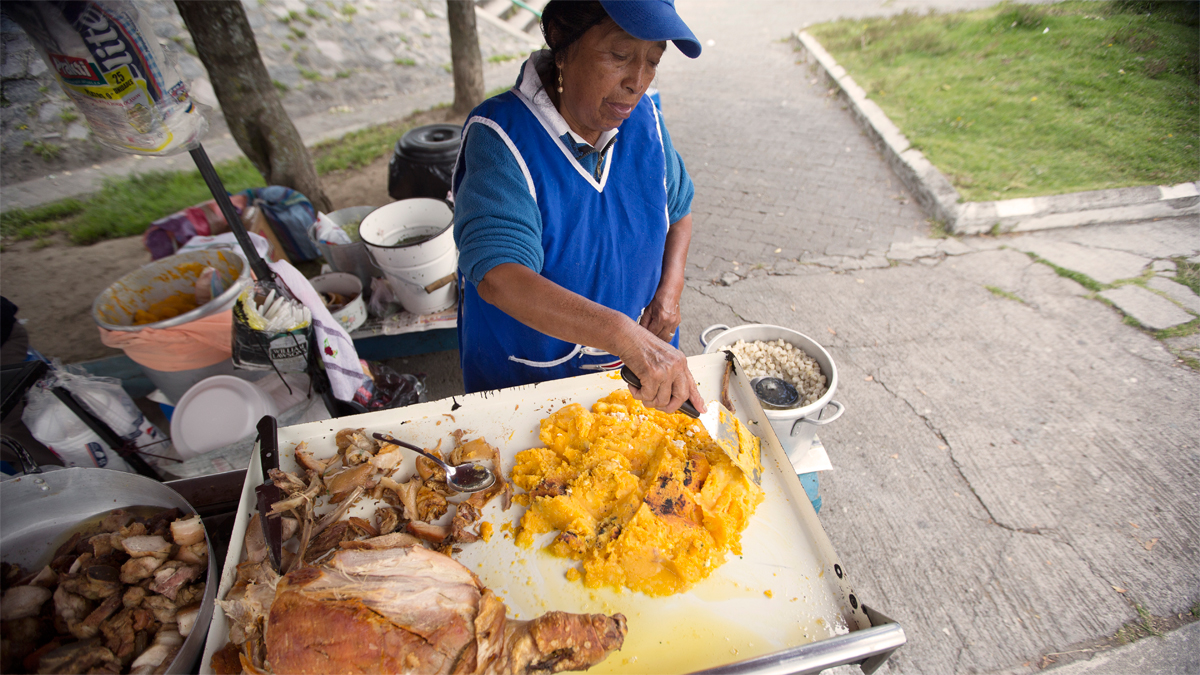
603	240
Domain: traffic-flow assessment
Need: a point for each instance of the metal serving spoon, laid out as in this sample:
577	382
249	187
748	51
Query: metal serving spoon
467	477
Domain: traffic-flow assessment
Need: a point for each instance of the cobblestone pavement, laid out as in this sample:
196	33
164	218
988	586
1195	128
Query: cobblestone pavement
782	171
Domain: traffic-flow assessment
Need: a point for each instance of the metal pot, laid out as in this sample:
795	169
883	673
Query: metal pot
795	427
38	508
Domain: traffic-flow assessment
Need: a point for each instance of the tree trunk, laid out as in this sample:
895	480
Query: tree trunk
464	53
251	106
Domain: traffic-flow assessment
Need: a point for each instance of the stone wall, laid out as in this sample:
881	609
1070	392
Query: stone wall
324	55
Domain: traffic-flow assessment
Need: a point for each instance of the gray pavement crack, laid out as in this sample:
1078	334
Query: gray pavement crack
1057	537
700	289
992	520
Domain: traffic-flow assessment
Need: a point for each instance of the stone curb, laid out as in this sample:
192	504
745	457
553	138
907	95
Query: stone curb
943	203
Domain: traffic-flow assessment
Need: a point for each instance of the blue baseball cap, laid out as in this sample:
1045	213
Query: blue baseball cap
653	20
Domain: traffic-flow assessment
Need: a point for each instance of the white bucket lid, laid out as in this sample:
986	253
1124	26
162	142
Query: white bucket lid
215	412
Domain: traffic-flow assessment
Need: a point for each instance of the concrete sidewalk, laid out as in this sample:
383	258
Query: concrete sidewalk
1017	469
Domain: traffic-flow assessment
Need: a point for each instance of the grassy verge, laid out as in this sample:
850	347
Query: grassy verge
126	206
1026	100
123	207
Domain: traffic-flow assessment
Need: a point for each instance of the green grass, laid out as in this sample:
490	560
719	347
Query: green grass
44	149
502	58
358	148
281	87
312	13
349	9
404	61
68	116
1182	330
1001	293
124	206
1188	274
310	75
1078	277
1021	100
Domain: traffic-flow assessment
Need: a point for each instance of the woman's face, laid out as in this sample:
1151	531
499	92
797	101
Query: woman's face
604	76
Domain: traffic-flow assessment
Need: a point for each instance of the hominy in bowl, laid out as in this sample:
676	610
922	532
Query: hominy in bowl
781	359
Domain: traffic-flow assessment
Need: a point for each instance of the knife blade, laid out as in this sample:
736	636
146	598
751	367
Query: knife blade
269	493
724	429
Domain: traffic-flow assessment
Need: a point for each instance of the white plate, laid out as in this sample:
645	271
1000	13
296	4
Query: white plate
215	412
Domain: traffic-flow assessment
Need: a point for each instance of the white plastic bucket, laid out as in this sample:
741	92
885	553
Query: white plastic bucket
354	313
795	427
408	232
412	241
409	283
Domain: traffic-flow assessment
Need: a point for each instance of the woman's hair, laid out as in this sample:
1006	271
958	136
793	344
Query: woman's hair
565	21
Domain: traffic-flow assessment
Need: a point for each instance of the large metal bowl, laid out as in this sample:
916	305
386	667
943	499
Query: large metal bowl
37	509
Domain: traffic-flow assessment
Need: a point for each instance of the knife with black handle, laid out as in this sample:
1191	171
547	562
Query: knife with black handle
269	493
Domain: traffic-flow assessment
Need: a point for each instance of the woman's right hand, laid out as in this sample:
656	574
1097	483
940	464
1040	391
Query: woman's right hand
663	371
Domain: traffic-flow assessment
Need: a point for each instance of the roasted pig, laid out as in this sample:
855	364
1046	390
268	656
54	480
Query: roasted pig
413	610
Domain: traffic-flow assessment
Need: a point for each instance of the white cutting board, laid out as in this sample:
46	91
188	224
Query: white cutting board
783	591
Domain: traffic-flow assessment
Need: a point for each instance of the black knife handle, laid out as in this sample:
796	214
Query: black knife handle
686	408
268	443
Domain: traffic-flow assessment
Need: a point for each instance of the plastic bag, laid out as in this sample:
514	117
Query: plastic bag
384	388
384	302
257	349
54	425
107	59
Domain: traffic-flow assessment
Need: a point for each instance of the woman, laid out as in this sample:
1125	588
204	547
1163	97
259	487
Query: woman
573	210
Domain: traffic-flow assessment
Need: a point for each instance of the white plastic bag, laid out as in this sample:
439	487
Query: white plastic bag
54	425
107	59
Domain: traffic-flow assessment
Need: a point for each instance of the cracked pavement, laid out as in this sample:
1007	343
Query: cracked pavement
1018	467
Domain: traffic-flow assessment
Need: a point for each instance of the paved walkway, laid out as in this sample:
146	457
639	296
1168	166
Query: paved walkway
1016	471
781	172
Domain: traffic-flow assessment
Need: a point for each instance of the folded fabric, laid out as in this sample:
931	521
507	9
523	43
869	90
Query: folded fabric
337	349
196	344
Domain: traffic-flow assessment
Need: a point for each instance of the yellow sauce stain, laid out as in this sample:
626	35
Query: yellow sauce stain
703	641
167	308
768	593
485	531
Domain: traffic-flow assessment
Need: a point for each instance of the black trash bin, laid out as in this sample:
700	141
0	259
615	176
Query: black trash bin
423	162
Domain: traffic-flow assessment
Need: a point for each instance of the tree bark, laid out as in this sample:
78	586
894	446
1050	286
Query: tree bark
464	54
251	106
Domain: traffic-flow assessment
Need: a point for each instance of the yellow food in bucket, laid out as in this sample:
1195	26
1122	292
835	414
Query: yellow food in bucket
167	308
644	500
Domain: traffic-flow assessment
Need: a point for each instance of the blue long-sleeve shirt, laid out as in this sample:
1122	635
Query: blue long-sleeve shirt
496	219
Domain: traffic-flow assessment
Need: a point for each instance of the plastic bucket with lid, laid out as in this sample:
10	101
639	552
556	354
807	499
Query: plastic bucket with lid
795	427
350	258
152	289
412	241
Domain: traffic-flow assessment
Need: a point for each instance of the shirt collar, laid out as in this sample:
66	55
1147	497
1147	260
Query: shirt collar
530	85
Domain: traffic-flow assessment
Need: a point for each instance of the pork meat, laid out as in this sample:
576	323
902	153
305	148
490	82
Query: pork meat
412	610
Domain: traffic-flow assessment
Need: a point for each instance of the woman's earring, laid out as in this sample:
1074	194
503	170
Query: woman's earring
560	81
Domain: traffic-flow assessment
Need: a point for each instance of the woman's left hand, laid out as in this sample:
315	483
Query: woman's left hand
661	316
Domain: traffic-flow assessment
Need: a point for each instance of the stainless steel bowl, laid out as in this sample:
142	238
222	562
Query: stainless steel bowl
36	509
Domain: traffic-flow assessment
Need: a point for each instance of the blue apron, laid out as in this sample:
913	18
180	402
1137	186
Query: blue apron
603	240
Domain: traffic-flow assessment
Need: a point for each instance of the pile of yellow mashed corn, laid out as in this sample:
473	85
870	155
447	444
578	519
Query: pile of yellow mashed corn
644	500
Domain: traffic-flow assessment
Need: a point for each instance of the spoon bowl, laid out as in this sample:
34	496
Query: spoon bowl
466	477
